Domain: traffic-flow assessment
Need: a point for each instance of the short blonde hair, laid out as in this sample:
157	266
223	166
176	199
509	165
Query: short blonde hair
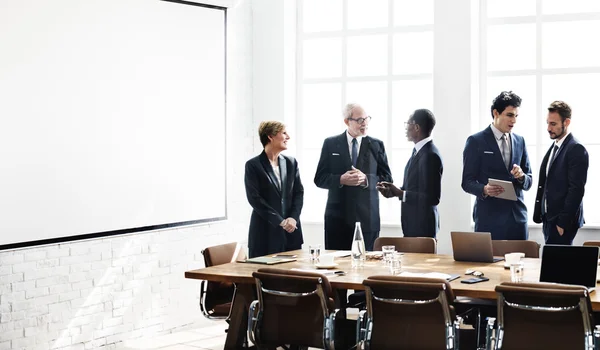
269	128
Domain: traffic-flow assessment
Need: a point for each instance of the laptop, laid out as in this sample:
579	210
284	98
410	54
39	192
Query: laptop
570	265
473	246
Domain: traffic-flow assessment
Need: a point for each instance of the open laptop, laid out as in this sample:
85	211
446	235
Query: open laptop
473	246
570	265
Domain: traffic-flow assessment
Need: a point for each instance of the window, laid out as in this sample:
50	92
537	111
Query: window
377	53
544	51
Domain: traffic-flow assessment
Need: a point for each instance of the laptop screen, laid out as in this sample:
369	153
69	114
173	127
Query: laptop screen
569	265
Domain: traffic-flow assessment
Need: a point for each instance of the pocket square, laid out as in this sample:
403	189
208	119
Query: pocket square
335	154
488	152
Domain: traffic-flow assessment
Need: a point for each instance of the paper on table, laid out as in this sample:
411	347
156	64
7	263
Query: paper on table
322	272
426	274
341	253
509	189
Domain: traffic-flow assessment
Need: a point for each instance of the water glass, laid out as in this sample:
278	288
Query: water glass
387	250
516	271
315	251
395	263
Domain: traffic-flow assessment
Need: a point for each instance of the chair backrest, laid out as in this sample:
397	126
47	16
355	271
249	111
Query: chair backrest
223	254
543	316
293	307
592	243
408	244
530	248
216	297
409	313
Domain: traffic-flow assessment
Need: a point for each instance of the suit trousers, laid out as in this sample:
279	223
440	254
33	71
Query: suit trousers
339	235
552	236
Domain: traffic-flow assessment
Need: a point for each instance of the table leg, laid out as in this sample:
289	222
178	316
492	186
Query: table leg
238	324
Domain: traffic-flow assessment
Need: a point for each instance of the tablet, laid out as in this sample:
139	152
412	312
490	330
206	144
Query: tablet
509	189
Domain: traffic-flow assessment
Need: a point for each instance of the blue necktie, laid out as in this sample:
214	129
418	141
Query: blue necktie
354	151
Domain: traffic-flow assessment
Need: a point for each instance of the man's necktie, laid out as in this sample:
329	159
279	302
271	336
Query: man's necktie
354	151
505	151
553	155
554	151
408	163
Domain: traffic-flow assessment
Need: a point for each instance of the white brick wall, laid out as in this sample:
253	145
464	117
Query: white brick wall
97	293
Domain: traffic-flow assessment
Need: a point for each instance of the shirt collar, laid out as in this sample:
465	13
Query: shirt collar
561	141
497	133
422	143
349	138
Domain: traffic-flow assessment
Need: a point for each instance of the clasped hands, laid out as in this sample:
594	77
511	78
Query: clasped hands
289	225
495	190
353	177
389	190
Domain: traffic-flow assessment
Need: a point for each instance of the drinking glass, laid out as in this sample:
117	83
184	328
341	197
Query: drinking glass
388	250
315	251
516	271
395	263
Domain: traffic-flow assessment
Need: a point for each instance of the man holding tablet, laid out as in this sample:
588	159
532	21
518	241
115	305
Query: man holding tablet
497	153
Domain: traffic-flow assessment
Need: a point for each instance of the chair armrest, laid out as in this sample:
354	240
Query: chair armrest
253	312
456	325
329	331
489	334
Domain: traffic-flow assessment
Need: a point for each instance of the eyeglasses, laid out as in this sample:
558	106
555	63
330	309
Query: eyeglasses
361	120
474	273
407	124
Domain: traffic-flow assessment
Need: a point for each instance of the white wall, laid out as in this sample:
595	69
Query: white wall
87	294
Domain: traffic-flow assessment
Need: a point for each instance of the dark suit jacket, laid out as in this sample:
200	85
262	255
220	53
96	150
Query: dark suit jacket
482	160
564	185
271	205
423	186
351	203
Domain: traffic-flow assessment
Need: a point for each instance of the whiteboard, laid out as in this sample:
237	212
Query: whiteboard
112	118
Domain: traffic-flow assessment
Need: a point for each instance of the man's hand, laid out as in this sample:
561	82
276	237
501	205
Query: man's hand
289	225
389	190
517	172
561	231
352	177
492	190
361	176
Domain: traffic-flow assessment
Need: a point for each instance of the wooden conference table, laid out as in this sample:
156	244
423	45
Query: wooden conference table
241	274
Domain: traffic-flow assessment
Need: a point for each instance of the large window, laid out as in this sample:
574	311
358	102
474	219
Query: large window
545	51
378	53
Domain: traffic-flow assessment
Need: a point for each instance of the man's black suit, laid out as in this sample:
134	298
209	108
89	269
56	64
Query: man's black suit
272	204
422	187
348	204
563	189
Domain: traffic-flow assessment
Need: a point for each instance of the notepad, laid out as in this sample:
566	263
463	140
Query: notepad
265	260
509	189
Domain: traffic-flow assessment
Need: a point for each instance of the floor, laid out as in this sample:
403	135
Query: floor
208	336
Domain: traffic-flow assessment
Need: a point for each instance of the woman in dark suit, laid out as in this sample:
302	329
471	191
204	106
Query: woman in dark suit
276	194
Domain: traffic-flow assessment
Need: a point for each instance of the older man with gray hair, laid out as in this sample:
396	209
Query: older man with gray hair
350	167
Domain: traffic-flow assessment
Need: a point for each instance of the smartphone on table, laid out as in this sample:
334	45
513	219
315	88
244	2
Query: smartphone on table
475	280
